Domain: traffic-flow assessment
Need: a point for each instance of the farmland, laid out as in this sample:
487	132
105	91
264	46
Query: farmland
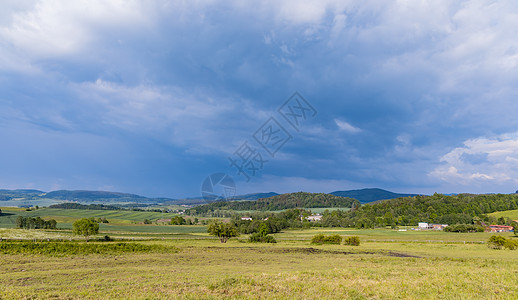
388	264
146	261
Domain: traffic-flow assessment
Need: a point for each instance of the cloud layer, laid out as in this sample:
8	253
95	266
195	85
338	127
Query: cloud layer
413	96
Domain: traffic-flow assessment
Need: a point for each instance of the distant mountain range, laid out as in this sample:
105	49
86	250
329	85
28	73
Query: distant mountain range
370	195
27	197
35	197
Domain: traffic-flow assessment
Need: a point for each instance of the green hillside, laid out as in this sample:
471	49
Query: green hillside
511	214
280	202
370	195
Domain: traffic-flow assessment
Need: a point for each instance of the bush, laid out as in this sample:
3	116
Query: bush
352	241
258	238
326	239
511	244
318	239
499	242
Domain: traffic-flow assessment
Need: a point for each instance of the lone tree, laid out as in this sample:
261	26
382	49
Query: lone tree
223	231
85	227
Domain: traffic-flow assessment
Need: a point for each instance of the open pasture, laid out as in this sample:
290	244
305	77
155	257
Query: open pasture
291	269
207	269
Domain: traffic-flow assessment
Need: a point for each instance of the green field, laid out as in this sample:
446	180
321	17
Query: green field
290	269
511	214
70	215
184	262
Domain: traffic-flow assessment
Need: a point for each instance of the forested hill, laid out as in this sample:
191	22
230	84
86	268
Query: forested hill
279	202
370	195
437	208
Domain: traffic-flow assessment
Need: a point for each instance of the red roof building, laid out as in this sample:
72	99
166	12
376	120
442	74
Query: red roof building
500	228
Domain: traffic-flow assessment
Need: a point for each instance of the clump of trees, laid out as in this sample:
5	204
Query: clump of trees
85	227
464	228
102	220
499	242
178	220
224	231
321	239
35	223
262	235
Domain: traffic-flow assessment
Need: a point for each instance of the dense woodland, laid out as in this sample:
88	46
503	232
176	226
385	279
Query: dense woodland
438	208
279	202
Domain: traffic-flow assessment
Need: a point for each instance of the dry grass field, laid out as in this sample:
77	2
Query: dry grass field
290	269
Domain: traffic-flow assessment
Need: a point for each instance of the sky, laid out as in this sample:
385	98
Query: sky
152	97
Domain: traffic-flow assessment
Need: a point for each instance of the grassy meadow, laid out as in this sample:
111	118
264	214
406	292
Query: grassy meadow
511	214
388	264
183	262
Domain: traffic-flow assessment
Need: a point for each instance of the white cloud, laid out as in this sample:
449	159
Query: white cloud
344	126
49	29
481	161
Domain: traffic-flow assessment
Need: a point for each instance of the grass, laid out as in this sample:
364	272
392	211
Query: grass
183	262
79	248
511	214
291	270
70	215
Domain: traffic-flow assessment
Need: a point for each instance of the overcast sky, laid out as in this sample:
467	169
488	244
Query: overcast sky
151	97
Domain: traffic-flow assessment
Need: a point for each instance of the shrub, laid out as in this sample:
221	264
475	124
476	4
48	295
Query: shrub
499	242
352	241
318	239
261	236
326	239
258	238
511	244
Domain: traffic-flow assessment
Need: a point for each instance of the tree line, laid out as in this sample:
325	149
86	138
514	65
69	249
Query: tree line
35	223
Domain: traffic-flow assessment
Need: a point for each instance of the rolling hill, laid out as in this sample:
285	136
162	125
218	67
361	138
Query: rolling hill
280	202
370	195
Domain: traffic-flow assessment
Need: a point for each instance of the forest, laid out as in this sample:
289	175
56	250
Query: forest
279	202
438	208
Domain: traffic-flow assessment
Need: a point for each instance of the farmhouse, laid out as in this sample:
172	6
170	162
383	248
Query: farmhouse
500	228
429	226
246	219
314	218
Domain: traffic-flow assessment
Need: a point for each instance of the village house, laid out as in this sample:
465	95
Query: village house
500	228
314	218
429	226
